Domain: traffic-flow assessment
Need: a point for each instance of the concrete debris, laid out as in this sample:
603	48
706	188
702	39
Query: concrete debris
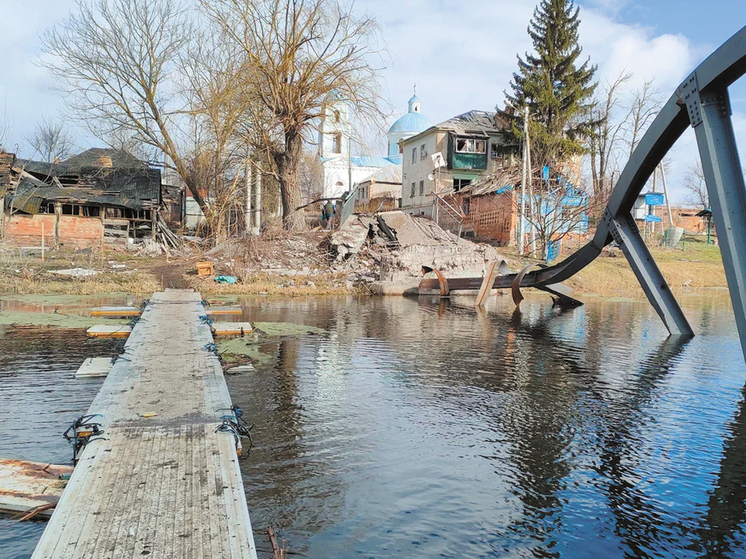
75	272
394	246
351	237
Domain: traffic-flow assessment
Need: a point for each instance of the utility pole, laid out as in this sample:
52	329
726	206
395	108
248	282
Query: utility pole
257	227
522	213
247	180
530	184
665	195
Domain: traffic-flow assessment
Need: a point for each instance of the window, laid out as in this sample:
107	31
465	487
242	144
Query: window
337	146
413	187
458	184
466	206
414	155
422	188
423	152
336	116
465	145
401	149
494	151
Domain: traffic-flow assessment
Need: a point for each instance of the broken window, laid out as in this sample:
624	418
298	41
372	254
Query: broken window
466	145
423	152
458	184
494	151
466	205
337	146
422	188
413	187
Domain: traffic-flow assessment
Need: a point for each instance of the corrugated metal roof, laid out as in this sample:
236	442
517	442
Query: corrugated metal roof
481	123
366	160
31	193
391	174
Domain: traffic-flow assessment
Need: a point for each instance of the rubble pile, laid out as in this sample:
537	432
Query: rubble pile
394	246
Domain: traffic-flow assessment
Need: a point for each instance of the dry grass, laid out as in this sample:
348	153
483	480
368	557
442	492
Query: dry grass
267	284
698	266
139	283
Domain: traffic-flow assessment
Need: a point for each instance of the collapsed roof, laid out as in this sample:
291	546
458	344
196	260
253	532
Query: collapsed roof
97	176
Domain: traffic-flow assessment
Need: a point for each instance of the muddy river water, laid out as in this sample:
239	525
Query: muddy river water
420	428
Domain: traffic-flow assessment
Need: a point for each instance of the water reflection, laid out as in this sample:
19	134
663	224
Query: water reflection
426	428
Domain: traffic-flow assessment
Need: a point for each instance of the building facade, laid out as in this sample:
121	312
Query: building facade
340	169
448	157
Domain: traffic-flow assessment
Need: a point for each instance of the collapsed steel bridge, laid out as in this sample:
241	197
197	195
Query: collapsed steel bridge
700	101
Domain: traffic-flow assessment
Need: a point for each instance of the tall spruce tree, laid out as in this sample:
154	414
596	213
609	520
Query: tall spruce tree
556	90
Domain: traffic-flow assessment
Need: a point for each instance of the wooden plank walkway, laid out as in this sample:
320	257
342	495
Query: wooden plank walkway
165	485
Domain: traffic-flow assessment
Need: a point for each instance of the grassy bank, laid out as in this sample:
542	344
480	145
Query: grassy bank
698	266
268	284
139	283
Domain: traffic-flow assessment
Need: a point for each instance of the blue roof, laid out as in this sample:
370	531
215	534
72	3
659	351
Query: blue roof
411	122
369	160
413	100
372	161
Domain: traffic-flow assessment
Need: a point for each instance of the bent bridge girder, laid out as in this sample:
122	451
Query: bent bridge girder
702	102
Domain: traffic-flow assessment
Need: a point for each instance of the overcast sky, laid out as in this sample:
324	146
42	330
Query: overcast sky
460	53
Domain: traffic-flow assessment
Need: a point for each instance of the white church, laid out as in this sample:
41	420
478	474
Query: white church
338	165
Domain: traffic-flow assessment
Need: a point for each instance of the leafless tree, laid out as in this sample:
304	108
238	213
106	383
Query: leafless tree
300	55
603	143
559	207
646	104
694	183
119	61
51	140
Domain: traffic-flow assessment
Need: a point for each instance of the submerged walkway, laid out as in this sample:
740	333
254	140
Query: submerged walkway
163	486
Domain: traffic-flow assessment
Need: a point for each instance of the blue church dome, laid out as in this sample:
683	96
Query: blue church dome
411	122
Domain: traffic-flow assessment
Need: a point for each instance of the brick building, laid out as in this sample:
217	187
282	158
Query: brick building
99	194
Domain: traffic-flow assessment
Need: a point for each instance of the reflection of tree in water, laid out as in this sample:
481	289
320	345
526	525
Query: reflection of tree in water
282	478
726	508
540	427
638	521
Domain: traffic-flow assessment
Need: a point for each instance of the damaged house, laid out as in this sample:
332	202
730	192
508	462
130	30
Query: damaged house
99	194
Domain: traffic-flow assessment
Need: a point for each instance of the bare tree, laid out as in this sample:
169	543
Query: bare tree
646	103
300	55
558	208
603	143
694	183
118	60
51	140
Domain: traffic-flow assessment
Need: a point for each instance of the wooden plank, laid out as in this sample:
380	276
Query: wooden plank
489	279
224	310
95	367
116	311
164	485
231	328
27	485
106	331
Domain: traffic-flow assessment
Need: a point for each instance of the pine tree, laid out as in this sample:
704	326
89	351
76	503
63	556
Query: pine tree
556	90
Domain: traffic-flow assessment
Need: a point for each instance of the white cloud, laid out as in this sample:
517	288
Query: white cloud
461	54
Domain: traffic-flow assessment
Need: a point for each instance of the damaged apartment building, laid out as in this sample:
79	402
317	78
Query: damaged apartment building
449	175
98	195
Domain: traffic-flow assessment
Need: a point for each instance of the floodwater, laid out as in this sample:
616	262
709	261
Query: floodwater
420	428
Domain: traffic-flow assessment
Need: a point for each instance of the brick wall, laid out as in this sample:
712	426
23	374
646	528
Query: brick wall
74	231
493	216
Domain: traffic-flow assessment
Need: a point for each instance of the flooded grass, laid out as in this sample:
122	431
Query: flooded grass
259	348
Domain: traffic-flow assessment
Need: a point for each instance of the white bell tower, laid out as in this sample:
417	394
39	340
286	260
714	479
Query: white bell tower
334	136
